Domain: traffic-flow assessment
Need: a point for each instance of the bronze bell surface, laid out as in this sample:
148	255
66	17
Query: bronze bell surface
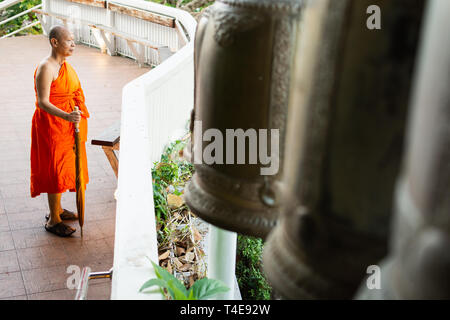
347	115
243	55
418	264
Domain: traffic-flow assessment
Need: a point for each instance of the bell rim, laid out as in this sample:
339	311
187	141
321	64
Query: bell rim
232	218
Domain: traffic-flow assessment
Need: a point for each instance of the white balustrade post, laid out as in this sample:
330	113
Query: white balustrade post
222	259
110	18
46	20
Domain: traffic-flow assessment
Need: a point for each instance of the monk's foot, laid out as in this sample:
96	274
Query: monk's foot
65	215
60	229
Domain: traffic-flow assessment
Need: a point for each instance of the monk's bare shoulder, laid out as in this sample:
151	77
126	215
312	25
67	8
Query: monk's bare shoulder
44	78
46	71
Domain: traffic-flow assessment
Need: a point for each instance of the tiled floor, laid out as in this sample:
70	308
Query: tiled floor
33	262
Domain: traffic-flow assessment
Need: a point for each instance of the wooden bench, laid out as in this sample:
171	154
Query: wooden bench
109	140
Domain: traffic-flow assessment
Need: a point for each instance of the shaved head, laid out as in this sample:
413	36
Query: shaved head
57	32
61	40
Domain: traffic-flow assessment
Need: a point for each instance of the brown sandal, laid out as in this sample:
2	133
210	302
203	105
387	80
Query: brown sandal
65	215
60	229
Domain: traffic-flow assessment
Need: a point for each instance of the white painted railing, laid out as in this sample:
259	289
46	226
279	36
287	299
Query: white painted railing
8	3
109	25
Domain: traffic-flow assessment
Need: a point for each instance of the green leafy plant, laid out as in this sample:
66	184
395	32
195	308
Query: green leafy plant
159	198
251	280
170	174
192	6
20	21
169	171
169	285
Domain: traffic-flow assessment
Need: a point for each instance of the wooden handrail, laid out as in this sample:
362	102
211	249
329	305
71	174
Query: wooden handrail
93	3
143	15
126	36
130	11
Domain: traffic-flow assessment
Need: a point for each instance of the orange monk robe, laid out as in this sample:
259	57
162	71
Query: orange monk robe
52	138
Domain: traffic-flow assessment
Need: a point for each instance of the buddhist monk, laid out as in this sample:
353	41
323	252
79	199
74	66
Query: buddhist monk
58	92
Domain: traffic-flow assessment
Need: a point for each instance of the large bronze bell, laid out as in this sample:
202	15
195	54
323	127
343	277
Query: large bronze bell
243	54
348	110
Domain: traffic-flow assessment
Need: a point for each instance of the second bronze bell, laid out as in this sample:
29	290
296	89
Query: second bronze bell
345	142
243	54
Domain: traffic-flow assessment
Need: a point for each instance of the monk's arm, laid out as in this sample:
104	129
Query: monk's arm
44	79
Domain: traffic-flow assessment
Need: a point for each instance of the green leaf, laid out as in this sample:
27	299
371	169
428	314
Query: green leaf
162	273
206	288
191	295
153	282
160	276
179	294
